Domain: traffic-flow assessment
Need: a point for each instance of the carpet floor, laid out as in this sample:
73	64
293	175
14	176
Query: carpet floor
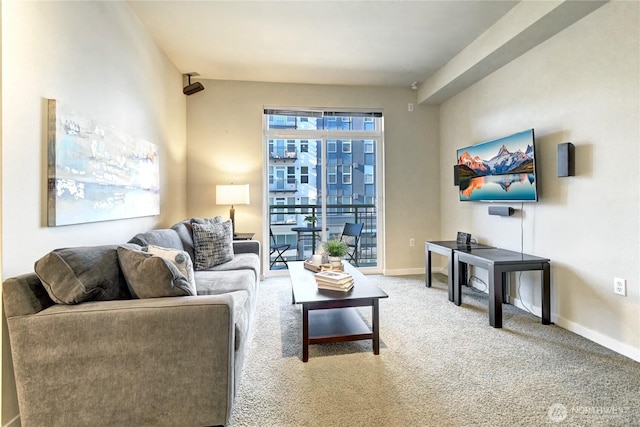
439	365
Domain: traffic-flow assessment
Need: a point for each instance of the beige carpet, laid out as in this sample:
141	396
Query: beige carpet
439	365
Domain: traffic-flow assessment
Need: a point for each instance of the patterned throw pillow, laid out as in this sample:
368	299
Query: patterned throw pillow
213	243
215	220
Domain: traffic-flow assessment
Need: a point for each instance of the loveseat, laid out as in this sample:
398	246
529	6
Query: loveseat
90	347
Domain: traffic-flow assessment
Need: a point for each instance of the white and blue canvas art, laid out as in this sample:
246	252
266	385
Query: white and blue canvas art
97	173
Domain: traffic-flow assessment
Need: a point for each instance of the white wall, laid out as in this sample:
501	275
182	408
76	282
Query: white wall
225	145
98	59
580	86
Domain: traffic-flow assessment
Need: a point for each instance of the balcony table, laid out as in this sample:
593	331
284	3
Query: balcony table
306	233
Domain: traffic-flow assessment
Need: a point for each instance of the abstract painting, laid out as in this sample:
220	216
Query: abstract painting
96	173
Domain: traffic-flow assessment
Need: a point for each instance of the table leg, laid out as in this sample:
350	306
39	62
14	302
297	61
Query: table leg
454	281
454	271
313	243
375	328
546	294
496	281
427	273
305	333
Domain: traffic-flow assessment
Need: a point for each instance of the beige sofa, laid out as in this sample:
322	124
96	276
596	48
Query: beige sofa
121	361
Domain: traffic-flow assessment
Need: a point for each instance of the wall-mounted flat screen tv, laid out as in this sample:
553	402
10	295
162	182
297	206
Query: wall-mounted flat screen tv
501	170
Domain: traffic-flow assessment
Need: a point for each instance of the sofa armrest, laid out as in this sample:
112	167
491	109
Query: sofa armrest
174	356
246	247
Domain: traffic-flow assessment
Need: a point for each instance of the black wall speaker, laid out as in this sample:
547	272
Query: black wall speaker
501	210
456	177
566	154
193	88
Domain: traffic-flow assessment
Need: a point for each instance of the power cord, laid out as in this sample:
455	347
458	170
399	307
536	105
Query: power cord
476	279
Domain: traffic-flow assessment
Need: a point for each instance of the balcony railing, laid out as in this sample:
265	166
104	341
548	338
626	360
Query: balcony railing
287	185
283	155
285	217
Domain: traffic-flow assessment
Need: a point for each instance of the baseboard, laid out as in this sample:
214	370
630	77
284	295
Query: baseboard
403	271
535	310
597	337
591	335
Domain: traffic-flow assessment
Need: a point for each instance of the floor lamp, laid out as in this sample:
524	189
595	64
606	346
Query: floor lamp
232	195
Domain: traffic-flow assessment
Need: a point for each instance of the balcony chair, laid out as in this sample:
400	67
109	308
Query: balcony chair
279	250
351	236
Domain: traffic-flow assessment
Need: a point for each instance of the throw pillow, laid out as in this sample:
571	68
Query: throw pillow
213	243
75	275
152	276
215	220
179	258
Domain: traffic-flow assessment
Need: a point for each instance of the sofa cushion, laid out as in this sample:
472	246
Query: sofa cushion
75	275
179	258
242	261
152	276
213	243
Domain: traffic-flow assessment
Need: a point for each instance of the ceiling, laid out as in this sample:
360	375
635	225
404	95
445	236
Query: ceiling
379	43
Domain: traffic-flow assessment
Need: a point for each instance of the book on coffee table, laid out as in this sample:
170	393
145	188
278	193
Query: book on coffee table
343	288
335	277
333	280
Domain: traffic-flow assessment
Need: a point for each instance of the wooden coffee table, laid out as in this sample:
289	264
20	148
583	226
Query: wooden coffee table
330	316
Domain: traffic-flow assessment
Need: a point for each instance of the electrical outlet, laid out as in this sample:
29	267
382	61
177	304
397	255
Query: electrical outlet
620	286
410	107
412	242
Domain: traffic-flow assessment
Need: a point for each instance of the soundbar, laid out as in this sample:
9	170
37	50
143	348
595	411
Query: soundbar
501	210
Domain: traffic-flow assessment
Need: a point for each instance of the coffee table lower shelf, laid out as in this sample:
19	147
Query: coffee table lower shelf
337	325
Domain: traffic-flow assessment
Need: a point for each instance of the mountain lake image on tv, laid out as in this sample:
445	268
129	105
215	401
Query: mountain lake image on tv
502	170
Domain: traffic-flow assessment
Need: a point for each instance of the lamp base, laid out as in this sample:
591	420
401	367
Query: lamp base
232	213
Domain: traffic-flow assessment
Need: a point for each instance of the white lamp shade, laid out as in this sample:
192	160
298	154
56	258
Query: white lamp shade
232	194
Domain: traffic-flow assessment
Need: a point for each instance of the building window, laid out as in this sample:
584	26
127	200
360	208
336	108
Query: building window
346	146
332	174
346	174
304	174
368	174
368	146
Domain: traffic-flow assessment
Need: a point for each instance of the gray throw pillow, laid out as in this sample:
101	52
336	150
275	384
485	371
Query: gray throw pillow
216	220
75	275
180	259
152	276
213	243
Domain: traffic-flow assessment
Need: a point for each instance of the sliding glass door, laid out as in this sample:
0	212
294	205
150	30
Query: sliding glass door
323	166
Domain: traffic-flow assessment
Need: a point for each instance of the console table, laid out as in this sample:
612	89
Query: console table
498	262
446	248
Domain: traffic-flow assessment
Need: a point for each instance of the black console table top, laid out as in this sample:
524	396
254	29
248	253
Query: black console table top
498	262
